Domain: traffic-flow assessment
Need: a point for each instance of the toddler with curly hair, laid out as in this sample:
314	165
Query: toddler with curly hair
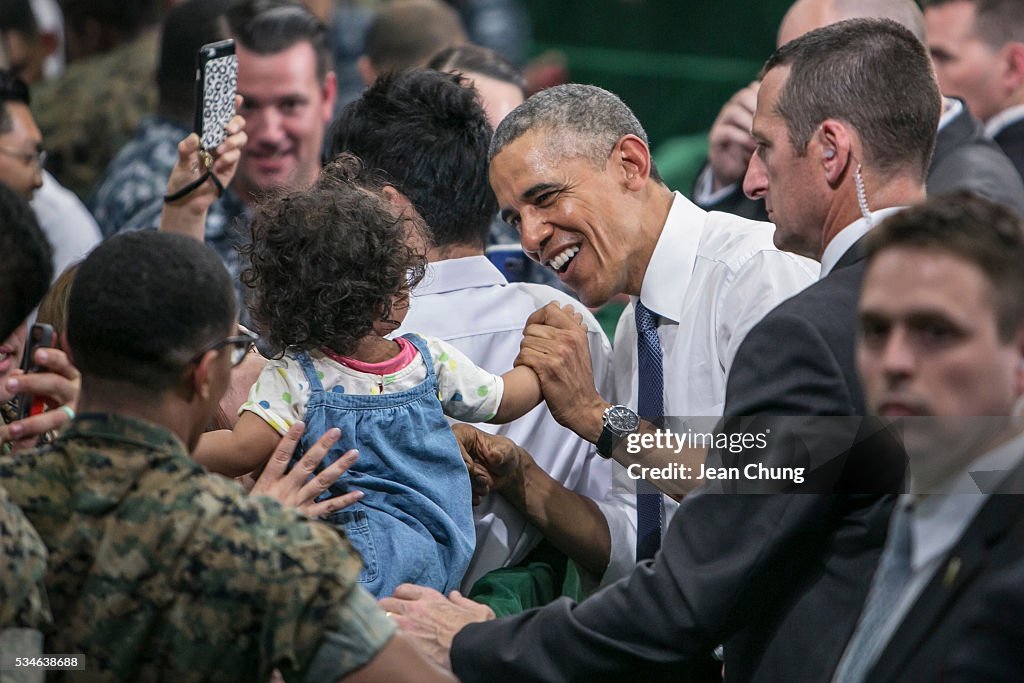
331	269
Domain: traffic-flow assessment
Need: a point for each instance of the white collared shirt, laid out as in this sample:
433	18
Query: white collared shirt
951	108
1006	117
468	303
849	235
711	278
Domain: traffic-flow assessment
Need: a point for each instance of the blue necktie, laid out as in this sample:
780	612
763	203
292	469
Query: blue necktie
650	405
891	579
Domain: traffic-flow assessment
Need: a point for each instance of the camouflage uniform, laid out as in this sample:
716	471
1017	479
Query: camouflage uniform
92	110
160	570
22	568
138	174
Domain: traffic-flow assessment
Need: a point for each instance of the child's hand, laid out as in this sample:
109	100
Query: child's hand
556	346
299	488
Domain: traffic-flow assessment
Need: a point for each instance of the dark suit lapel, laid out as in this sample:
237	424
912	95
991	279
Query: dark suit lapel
853	255
966	559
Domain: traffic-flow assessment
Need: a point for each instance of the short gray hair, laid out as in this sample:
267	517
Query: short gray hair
591	118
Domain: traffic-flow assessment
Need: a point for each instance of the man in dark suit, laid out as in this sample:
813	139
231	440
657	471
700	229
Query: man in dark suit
965	157
977	47
989	649
778	578
941	352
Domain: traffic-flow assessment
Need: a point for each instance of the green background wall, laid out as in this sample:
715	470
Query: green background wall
674	63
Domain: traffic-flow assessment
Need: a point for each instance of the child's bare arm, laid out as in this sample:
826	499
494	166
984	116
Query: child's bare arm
239	451
522	394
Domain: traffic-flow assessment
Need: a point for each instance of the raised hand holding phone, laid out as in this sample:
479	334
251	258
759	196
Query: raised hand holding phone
216	102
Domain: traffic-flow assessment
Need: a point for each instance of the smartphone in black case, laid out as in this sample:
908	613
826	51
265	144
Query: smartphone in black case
39	336
216	85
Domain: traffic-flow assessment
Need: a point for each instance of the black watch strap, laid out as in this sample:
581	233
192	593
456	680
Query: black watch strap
606	443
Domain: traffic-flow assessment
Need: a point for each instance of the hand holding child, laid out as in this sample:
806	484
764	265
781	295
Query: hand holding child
299	488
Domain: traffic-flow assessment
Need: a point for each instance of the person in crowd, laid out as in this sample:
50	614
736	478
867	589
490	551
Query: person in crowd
91	111
941	353
977	47
26	45
501	87
405	34
62	216
137	175
676	344
331	270
427	132
24	277
964	157
158	568
288	89
498	82
779	579
21	143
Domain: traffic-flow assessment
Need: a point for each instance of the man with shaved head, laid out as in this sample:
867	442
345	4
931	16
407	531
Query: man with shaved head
964	157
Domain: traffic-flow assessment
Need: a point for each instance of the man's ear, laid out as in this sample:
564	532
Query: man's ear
632	155
330	93
200	375
833	145
1013	56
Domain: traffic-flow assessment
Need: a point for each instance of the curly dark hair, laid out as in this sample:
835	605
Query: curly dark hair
326	263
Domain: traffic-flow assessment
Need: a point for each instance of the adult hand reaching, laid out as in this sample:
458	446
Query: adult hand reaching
431	619
299	488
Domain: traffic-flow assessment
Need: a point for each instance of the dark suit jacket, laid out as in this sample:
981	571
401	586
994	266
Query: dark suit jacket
1011	141
964	159
990	648
730	565
920	647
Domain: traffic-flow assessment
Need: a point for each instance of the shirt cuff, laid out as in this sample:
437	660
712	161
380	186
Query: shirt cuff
367	631
619	512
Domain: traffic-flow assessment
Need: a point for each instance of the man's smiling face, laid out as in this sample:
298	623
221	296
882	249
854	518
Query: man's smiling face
572	215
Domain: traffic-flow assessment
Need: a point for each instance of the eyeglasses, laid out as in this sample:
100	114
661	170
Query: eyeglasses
240	345
37	157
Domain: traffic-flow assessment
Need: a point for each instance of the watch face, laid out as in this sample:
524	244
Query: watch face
622	420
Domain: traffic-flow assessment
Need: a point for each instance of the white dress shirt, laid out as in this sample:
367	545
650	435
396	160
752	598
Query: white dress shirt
1006	117
66	222
711	278
468	303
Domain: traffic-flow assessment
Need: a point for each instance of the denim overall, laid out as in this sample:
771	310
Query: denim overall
415	521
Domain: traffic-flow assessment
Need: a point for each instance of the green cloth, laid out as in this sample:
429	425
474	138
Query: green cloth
545	574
